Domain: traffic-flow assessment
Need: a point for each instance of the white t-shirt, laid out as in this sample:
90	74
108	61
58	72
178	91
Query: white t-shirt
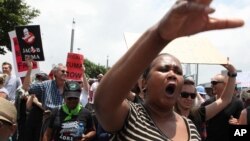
93	89
84	97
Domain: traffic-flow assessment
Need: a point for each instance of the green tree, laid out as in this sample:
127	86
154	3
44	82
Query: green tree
13	13
92	70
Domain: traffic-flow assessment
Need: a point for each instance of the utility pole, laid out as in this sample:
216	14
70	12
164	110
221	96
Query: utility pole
72	36
107	62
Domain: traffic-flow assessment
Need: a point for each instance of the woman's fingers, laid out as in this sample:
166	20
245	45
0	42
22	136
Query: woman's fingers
215	23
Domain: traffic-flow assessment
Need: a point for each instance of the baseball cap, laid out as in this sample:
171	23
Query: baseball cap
201	90
42	76
72	89
8	111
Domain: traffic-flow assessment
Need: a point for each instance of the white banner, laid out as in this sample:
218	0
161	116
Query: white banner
20	67
193	50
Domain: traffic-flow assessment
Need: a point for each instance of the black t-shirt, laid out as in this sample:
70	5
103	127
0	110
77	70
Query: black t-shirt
218	126
70	130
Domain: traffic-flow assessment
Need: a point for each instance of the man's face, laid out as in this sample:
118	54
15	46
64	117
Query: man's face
218	84
6	130
6	69
61	73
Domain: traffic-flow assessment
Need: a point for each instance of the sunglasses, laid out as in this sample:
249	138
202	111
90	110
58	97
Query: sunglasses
186	95
72	98
64	71
216	82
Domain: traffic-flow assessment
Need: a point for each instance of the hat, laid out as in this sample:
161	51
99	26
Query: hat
8	111
245	94
42	76
72	89
201	90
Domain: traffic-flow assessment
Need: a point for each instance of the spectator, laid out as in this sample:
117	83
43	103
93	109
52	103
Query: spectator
8	117
3	91
155	119
71	121
34	112
50	91
244	118
94	87
185	103
12	82
218	126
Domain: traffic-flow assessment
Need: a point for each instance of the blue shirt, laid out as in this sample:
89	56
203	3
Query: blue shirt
48	92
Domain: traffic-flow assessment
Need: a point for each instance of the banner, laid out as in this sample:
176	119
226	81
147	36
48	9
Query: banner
20	66
190	50
30	42
74	66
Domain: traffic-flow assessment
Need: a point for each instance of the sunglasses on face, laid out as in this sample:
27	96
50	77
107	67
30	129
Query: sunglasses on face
64	71
186	95
216	82
72	98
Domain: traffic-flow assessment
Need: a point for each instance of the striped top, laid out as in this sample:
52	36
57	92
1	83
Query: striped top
140	127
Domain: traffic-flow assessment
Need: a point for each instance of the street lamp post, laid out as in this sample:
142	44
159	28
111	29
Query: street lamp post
72	36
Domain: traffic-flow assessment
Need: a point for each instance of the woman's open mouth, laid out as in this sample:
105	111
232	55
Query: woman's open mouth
170	89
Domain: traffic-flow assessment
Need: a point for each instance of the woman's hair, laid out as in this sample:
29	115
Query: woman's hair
146	71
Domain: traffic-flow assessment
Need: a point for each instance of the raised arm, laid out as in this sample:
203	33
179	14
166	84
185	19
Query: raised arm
27	79
84	79
226	97
184	18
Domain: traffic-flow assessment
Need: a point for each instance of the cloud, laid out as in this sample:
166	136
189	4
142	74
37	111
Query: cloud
100	25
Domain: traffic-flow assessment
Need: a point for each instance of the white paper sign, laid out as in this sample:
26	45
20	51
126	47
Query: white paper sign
193	50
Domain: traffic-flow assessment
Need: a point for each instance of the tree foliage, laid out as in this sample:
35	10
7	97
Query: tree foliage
92	70
13	13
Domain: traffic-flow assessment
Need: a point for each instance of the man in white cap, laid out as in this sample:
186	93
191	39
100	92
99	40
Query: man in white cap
8	116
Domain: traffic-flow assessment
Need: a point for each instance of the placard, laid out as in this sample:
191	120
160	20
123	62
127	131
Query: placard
74	66
30	42
20	66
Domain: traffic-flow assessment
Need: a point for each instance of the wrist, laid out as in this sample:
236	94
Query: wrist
231	74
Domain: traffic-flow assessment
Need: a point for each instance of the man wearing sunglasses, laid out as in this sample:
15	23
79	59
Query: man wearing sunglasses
199	115
50	91
218	126
71	121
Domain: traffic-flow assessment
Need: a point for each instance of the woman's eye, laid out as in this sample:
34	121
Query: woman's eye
164	69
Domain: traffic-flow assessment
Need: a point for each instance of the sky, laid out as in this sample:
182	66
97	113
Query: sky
100	26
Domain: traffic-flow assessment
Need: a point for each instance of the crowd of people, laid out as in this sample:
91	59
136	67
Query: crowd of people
144	96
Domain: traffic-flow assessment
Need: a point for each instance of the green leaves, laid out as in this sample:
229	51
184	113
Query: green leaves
13	13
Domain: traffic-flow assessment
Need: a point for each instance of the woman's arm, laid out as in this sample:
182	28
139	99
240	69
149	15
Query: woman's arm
181	20
243	117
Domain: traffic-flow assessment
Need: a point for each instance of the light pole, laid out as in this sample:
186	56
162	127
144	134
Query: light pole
107	62
72	36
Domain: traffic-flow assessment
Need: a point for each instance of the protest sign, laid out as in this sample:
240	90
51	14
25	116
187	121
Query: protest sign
20	66
191	50
30	42
74	66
